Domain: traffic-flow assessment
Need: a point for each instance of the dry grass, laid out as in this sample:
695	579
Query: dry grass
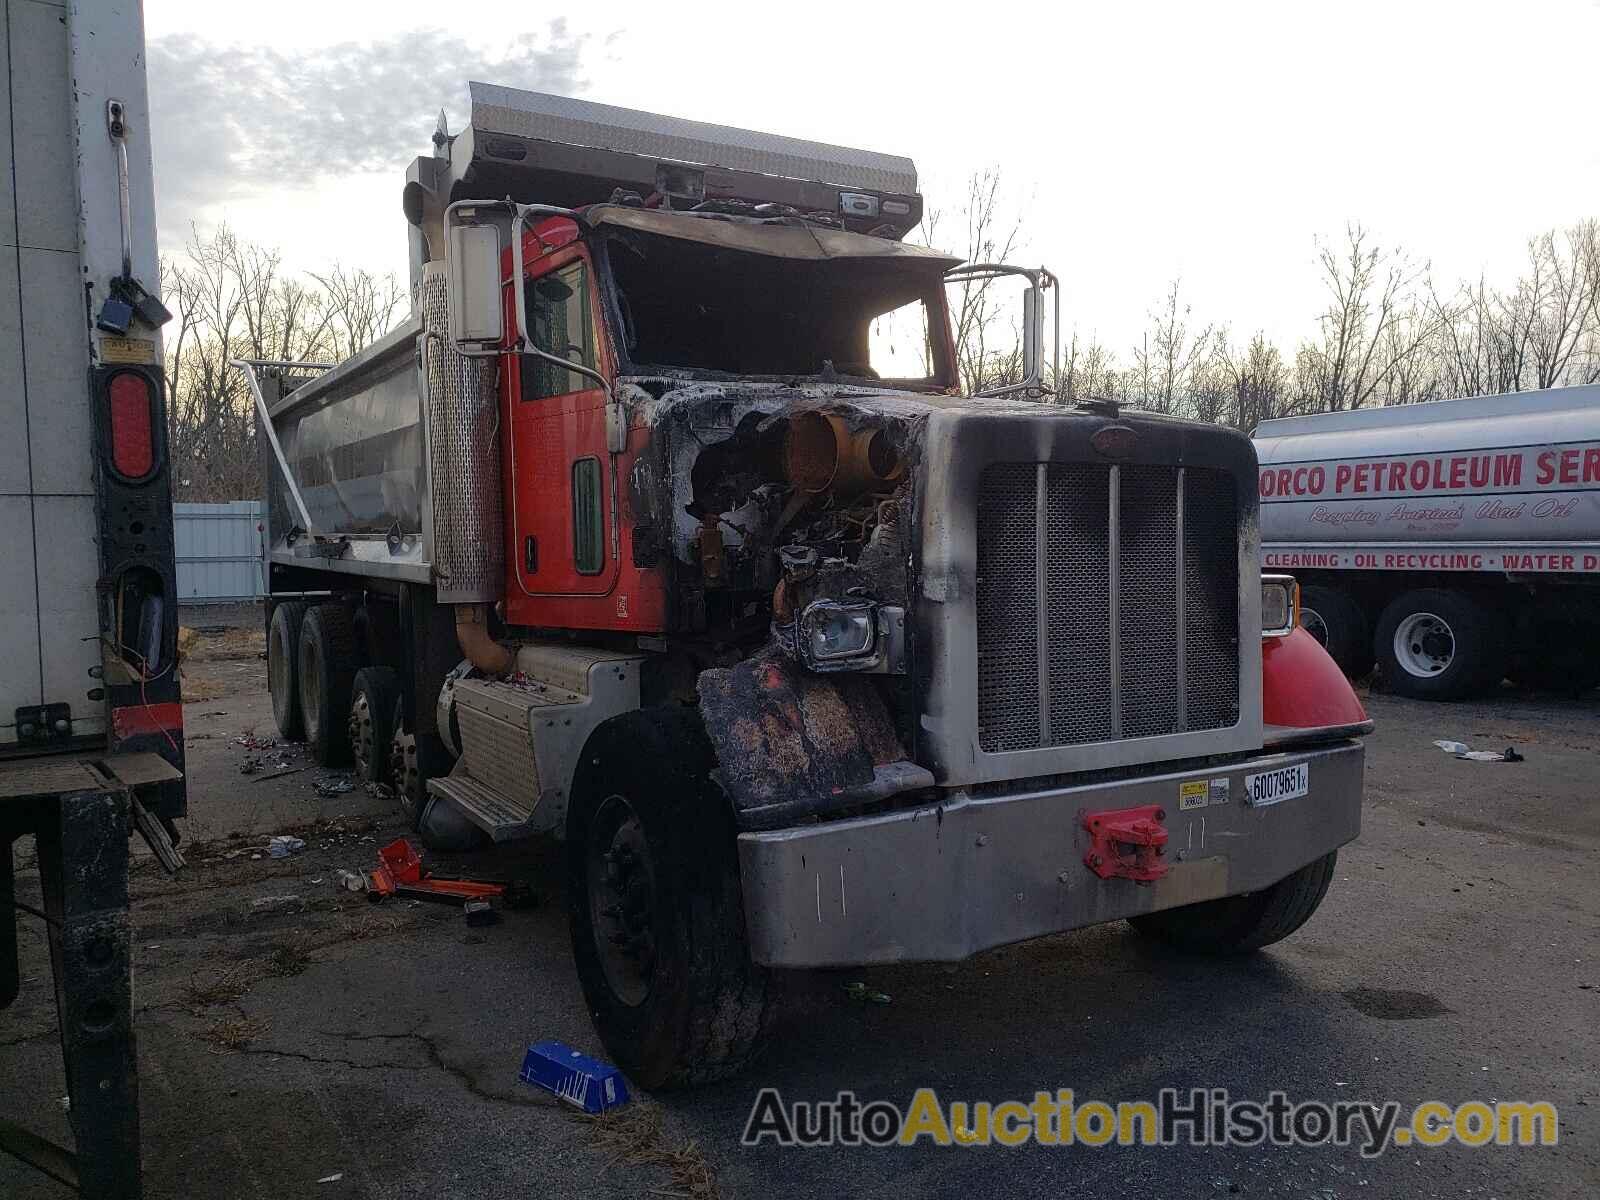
289	958
633	1135
224	988
220	647
371	923
233	1034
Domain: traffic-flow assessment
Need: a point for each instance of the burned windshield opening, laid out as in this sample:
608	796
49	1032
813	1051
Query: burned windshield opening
690	306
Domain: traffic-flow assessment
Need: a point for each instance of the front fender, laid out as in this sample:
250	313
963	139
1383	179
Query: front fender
792	745
1303	688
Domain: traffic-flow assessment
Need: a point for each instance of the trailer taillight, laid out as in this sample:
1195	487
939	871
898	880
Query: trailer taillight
132	403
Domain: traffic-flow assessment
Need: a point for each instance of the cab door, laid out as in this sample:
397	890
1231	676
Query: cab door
563	527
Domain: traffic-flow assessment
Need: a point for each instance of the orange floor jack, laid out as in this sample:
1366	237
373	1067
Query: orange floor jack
400	873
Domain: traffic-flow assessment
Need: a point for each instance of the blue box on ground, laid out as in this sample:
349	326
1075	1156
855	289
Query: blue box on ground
581	1081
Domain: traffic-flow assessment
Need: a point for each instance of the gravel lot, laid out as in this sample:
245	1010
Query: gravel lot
289	1032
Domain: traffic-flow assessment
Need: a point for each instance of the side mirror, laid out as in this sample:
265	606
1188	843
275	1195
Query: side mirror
472	279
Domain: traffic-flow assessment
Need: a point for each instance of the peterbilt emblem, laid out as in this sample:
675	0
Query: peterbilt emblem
1115	441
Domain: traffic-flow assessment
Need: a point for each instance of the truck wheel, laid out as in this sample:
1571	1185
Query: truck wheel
1332	616
1240	924
327	664
374	697
654	905
405	771
1436	644
283	667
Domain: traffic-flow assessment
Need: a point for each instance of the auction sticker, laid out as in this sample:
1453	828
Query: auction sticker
1285	783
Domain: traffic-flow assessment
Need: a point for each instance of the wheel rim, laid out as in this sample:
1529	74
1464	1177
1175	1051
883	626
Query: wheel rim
622	900
361	733
1424	645
403	765
1311	621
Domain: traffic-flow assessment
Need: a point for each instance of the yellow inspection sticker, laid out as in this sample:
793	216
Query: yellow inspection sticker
1198	793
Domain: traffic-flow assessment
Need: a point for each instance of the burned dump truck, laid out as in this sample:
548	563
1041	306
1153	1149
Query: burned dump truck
661	527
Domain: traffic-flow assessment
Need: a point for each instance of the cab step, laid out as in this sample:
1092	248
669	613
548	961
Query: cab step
497	814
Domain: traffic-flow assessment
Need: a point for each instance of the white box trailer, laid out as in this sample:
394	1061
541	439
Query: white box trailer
91	727
1448	543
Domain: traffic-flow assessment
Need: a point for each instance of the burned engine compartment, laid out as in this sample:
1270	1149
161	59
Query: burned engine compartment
767	498
770	500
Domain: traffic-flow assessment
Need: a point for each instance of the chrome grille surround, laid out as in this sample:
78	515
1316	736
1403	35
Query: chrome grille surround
1078	613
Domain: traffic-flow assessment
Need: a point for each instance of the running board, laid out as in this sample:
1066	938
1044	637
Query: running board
502	818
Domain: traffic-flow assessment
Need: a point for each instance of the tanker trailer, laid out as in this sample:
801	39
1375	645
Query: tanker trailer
1449	544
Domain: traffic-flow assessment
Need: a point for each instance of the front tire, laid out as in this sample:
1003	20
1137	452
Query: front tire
1437	644
655	907
1332	616
1242	924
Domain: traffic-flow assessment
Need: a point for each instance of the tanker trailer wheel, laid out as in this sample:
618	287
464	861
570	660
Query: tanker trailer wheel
1332	616
374	698
1240	924
283	667
1436	644
654	905
327	664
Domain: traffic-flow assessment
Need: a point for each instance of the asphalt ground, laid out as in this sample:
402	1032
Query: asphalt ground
289	1032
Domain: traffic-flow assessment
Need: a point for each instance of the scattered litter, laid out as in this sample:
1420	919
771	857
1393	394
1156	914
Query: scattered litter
569	1075
1462	750
318	879
334	1178
480	912
284	845
860	991
351	881
329	786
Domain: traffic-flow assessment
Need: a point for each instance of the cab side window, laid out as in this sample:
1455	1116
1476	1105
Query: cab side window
558	323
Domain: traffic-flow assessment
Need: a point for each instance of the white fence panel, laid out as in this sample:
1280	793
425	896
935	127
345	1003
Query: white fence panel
218	551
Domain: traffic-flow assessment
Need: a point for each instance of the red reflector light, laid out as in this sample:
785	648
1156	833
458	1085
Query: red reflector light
133	447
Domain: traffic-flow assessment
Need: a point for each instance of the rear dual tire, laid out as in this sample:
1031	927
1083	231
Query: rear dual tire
1439	644
283	667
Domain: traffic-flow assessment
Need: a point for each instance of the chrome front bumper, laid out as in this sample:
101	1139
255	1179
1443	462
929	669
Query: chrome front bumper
942	882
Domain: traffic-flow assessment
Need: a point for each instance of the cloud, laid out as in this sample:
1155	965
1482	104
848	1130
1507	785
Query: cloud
233	122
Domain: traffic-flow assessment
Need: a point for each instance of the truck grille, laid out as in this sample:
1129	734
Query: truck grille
1107	603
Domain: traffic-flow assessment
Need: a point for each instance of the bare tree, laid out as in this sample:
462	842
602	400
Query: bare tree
988	351
1088	370
233	300
1170	354
1371	327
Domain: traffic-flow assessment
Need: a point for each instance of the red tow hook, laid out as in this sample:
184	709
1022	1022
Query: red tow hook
1127	843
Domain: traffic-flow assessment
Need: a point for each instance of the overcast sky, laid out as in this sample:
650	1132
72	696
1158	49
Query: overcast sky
1141	141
